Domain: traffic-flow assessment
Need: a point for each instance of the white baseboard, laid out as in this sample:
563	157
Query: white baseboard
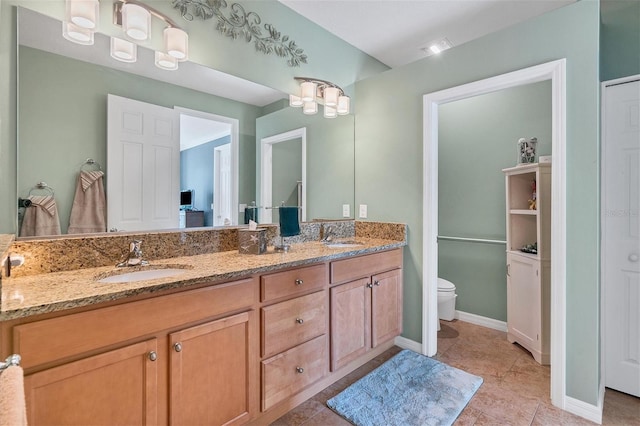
583	409
405	343
482	321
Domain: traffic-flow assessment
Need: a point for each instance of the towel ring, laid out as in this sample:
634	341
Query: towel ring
11	360
42	186
90	162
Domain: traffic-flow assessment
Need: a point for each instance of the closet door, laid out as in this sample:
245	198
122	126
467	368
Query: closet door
621	236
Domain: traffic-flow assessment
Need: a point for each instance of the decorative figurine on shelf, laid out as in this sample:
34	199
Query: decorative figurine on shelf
530	248
527	151
532	201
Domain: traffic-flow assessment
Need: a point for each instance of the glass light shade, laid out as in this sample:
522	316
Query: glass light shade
123	50
295	101
310	108
176	43
331	96
330	112
343	105
166	61
77	34
136	21
83	13
308	91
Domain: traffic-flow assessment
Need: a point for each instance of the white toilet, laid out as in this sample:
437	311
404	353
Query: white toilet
446	300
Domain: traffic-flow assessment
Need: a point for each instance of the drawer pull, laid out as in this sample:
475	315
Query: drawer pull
376	283
177	347
299	281
299	370
153	355
369	285
299	320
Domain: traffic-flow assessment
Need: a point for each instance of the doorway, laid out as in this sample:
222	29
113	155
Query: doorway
554	71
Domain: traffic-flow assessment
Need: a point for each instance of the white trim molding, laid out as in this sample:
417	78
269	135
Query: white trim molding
482	321
405	343
556	72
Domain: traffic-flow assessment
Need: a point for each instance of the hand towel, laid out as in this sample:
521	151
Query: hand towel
12	403
289	225
41	218
250	213
88	212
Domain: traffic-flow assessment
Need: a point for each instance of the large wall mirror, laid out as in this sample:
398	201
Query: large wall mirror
63	120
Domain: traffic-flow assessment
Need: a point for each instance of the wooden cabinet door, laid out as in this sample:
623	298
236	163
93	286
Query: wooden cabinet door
212	377
523	301
386	306
350	321
114	388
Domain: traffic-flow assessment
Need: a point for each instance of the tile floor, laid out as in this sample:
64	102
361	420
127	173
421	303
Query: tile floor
515	389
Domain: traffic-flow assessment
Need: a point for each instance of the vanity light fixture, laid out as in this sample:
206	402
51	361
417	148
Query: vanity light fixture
314	91
81	21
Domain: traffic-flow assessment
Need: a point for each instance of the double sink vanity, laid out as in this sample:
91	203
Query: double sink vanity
202	335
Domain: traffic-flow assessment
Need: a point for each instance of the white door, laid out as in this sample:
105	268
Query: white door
143	166
222	210
621	236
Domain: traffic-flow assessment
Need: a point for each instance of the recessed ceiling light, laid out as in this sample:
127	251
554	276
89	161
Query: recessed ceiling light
436	46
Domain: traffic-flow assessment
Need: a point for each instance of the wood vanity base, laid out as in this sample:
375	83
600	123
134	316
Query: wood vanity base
240	352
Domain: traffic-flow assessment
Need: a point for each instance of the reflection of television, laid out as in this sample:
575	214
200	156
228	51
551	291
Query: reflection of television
186	199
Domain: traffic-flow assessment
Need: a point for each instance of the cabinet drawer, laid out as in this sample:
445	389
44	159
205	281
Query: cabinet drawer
75	334
291	283
289	372
364	266
287	324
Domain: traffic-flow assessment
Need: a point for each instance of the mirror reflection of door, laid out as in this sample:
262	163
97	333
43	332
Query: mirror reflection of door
143	166
286	163
283	162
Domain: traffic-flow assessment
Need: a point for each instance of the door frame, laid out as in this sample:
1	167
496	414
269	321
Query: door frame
266	171
603	293
235	156
556	72
217	155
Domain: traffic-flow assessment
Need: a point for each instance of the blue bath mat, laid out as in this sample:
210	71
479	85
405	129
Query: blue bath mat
408	389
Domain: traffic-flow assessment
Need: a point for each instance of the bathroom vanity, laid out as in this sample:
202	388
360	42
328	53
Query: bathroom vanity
234	339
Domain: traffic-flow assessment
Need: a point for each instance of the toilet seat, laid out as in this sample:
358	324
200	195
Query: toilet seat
445	286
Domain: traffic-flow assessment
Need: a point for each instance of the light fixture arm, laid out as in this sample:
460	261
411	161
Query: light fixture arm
322	85
117	13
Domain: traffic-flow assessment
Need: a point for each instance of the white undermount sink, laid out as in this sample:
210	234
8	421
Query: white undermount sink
150	274
345	244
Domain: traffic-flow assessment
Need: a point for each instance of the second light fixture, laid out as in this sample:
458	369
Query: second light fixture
314	91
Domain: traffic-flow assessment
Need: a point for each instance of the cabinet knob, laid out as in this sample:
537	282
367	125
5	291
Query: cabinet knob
299	370
299	281
633	257
369	285
376	283
153	355
299	320
177	347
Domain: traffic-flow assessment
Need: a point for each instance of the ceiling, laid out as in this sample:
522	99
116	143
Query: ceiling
396	31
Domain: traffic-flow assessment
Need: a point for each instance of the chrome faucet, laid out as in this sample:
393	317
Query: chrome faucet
327	233
134	257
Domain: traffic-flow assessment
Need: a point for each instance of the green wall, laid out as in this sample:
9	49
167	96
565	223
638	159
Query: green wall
330	158
476	140
619	39
63	120
389	133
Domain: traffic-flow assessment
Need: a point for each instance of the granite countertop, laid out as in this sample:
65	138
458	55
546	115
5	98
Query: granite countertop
57	291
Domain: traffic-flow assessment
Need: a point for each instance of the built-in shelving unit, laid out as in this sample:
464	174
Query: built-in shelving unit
528	274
